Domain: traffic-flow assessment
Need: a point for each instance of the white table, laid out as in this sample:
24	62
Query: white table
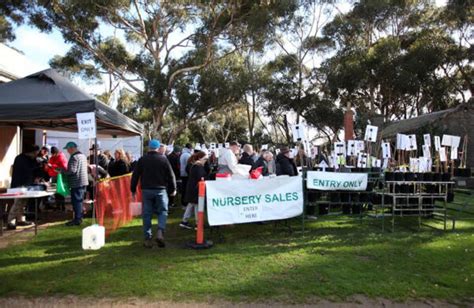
31	195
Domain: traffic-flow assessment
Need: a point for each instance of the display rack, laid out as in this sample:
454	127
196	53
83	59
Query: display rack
414	199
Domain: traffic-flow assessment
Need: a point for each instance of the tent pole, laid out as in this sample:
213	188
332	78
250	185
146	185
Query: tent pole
96	178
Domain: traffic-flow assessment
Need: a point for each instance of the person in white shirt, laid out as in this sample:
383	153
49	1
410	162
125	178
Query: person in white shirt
228	160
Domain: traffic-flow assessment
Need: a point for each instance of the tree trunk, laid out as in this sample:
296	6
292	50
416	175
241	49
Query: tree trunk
287	130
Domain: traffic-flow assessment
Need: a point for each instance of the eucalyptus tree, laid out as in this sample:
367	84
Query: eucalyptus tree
152	45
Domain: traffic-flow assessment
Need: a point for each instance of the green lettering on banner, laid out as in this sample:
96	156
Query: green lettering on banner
268	198
251	199
215	202
230	201
295	196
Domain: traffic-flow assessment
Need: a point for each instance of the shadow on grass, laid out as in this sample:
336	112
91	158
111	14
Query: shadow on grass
334	259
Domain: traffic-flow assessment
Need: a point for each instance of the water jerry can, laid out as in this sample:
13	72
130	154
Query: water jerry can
93	237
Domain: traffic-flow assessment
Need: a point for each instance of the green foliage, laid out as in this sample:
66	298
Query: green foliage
389	58
185	61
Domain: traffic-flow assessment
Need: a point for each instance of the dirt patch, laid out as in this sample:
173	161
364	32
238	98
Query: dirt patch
73	301
22	234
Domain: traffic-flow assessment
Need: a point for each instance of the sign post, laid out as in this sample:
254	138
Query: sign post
87	129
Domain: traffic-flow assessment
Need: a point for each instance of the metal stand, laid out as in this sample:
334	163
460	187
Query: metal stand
407	200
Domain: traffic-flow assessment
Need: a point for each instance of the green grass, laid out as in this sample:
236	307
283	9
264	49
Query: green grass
335	259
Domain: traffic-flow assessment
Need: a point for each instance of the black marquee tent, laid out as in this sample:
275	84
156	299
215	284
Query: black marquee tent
47	100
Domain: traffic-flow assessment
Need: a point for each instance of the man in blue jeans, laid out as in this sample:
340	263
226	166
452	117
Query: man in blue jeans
157	181
76	174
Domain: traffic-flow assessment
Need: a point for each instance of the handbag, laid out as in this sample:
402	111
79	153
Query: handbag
62	186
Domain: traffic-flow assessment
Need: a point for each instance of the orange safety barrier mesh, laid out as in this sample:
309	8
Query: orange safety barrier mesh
115	206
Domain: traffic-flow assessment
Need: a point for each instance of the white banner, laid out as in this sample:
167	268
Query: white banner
86	125
243	201
336	181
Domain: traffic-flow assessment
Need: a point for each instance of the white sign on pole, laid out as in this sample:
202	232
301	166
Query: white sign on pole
264	146
414	164
454	153
425	164
86	127
243	201
386	150
321	180
298	132
427	139
351	148
442	154
362	160
437	140
426	151
411	146
340	148
455	141
227	145
401	140
451	141
371	133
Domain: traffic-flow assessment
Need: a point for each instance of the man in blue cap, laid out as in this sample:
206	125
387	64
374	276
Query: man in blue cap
76	174
157	181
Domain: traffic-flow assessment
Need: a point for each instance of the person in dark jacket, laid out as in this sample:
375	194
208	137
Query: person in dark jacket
131	160
248	156
197	170
157	181
173	158
24	169
263	162
42	161
102	160
284	164
120	165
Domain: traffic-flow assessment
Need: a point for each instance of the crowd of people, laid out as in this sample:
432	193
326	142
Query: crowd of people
161	175
37	167
162	172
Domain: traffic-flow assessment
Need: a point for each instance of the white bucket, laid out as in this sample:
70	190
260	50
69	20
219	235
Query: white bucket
93	237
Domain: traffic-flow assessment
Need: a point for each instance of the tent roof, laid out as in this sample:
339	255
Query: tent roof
48	100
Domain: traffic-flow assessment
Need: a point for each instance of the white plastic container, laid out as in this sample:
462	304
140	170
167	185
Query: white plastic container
93	237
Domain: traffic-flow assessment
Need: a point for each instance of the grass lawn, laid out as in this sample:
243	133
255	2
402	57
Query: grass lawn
335	259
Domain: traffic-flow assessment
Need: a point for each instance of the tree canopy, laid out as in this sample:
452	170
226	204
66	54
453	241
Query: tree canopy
196	69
